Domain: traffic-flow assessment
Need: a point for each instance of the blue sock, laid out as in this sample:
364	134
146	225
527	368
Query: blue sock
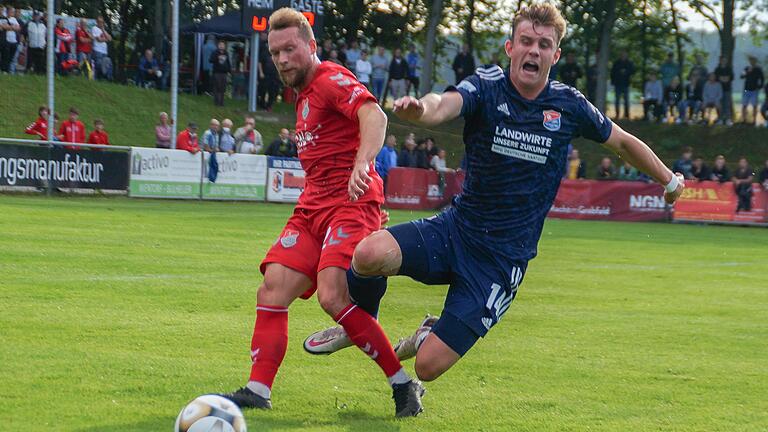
366	291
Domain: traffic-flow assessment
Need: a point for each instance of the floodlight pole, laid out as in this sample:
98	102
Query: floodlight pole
175	71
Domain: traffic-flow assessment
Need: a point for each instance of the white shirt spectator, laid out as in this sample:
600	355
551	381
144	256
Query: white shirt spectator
363	70
10	35
36	34
438	164
98	46
653	91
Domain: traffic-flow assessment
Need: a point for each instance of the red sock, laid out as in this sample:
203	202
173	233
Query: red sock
368	335
269	342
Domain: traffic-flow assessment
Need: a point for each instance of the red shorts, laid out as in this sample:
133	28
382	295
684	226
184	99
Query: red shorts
313	240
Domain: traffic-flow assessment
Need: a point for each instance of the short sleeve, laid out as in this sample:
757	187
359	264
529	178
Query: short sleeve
469	89
345	93
593	124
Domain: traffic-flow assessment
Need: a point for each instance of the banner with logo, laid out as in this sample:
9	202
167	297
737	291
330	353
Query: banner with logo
609	200
239	177
421	189
285	180
39	166
164	173
713	201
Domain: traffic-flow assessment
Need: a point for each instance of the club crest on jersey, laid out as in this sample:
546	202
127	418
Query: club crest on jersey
552	120
289	238
305	109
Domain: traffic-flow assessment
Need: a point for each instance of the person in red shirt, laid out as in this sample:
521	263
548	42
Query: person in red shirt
72	130
340	130
39	127
63	40
187	139
99	135
83	41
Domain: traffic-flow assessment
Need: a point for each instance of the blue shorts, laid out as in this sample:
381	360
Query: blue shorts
482	284
749	97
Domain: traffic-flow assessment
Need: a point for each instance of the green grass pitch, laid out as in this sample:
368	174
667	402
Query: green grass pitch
115	312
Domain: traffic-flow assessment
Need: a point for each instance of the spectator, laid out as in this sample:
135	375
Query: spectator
387	158
720	172
247	138
570	72
691	105
211	137
463	64
699	69
712	97
742	182
221	69
327	48
363	70
11	26
163	132
684	164
408	156
724	74
227	141
764	108
606	171
282	146
83	41
36	40
653	95
63	40
753	83
432	149
764	176
187	139
621	76
149	70
99	135
627	172
207	67
423	160
341	53
39	127
269	86
380	63
72	130
334	57
353	55
414	71
398	74
101	60
592	81
672	97
576	168
699	170
438	163
669	70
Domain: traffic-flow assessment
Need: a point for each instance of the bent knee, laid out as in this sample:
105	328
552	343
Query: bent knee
331	300
427	371
377	255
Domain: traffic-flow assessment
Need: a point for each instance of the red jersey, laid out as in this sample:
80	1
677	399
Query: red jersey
72	131
63	39
38	128
186	142
83	41
98	137
328	137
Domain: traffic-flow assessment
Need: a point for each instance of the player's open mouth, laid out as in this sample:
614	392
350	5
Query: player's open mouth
530	67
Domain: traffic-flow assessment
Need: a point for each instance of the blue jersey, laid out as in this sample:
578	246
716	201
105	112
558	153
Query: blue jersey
516	151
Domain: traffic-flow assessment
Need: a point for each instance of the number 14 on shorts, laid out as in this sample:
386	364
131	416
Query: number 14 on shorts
499	301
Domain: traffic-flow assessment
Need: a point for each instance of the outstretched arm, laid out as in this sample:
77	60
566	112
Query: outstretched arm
431	110
639	155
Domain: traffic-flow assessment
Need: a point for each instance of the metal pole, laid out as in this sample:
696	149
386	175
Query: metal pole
254	75
174	71
51	23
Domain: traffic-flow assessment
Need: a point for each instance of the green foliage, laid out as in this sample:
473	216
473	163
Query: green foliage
116	312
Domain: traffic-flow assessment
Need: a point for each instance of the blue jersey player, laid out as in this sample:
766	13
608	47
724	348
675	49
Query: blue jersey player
518	125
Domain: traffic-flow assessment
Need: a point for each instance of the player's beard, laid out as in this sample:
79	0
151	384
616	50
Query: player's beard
299	75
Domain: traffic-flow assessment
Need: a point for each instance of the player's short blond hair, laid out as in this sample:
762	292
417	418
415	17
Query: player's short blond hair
542	14
286	17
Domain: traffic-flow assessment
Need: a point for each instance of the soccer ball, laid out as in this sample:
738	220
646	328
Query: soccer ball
210	413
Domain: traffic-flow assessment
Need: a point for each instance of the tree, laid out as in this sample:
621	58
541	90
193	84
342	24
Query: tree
722	20
435	16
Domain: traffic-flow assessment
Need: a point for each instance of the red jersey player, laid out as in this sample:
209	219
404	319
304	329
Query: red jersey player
39	127
339	128
72	130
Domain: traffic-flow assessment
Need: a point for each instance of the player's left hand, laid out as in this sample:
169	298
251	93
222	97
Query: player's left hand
671	197
358	181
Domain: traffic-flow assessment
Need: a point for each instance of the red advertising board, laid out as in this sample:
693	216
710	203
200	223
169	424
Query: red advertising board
420	189
712	201
609	200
